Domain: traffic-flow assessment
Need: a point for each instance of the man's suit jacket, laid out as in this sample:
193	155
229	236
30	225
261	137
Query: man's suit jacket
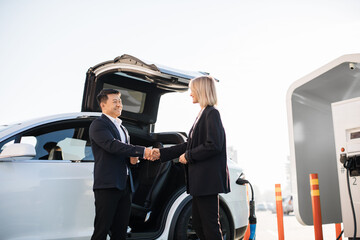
205	150
111	155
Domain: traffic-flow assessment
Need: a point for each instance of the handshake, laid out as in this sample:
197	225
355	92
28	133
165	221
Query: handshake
149	154
152	154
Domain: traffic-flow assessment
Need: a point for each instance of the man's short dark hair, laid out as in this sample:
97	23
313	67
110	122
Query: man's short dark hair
103	95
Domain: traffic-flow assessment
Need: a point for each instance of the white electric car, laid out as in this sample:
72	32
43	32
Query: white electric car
46	165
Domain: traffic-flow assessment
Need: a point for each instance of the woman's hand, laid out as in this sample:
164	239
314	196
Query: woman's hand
182	159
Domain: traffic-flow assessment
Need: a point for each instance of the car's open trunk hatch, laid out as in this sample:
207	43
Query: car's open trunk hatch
141	85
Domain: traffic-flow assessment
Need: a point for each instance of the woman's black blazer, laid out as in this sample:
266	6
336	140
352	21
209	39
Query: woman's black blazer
205	150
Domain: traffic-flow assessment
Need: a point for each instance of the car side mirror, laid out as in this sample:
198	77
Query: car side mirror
18	151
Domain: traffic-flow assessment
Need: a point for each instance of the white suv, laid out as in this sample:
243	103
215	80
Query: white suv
46	165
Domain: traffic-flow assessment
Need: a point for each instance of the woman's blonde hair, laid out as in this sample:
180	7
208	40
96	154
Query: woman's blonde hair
204	88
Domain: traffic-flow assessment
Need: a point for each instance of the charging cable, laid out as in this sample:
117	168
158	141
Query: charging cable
348	165
252	216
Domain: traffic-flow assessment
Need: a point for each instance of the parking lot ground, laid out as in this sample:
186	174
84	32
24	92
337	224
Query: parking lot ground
266	228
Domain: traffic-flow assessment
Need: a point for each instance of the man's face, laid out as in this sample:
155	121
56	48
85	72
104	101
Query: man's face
113	106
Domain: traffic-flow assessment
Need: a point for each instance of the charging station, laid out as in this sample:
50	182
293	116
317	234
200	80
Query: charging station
312	140
346	120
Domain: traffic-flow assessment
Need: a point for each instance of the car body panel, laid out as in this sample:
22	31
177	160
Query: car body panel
236	201
46	198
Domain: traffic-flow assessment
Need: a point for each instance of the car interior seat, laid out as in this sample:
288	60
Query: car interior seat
55	153
142	205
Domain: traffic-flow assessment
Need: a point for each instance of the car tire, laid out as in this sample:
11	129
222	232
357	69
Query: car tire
184	229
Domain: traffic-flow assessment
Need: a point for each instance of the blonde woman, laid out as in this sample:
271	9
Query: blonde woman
204	156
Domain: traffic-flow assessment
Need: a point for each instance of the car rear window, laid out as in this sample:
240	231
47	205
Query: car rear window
133	101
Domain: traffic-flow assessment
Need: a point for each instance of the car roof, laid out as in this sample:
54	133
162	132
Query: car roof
15	128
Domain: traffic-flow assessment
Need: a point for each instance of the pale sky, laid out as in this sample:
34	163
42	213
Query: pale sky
257	49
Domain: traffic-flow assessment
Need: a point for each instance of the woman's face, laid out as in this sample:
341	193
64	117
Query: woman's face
194	96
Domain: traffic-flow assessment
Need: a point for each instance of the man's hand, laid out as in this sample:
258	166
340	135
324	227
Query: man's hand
182	159
134	160
147	154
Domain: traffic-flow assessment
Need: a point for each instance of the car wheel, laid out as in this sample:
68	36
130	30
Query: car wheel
185	230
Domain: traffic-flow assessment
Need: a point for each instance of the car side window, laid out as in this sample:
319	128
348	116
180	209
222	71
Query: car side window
58	141
64	144
49	145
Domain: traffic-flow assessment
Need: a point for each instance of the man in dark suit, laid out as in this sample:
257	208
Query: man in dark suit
112	176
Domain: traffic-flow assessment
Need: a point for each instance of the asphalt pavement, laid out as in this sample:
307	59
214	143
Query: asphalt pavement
266	228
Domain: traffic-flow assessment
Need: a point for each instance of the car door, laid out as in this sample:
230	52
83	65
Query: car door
50	195
141	85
